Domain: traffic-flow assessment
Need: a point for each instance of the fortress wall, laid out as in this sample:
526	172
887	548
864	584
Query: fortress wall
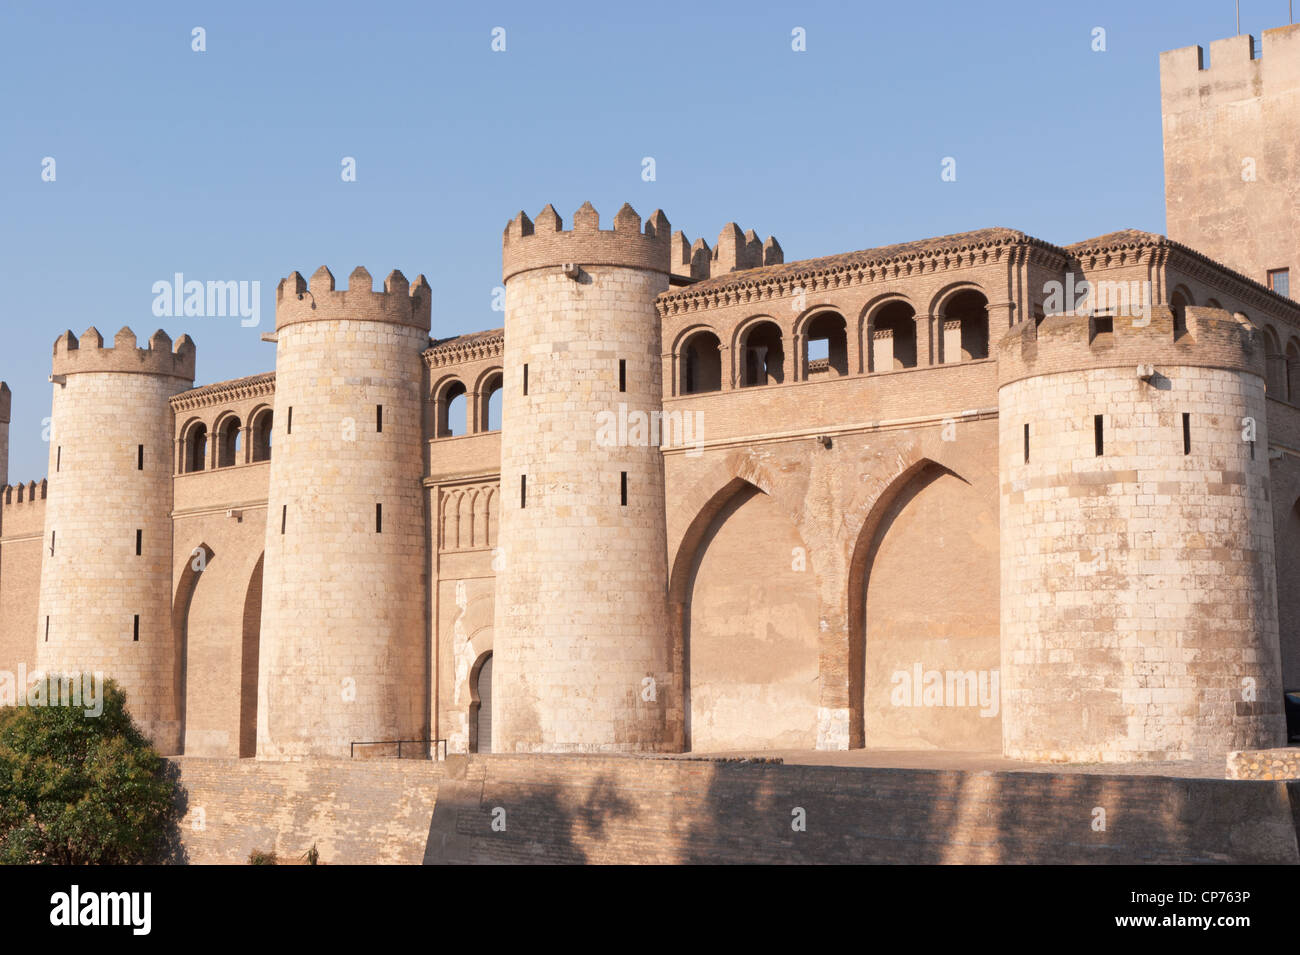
356	812
217	620
1232	150
1138	588
22	529
804	578
465	455
464	611
749	414
629	810
222	490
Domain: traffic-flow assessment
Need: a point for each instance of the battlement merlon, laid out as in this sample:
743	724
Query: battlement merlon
735	251
400	303
527	245
6	402
12	494
73	355
1234	72
1214	338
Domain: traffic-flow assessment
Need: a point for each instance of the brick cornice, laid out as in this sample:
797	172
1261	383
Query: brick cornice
224	392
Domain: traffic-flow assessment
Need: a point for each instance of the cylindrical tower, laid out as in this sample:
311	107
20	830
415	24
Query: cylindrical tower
343	644
1139	605
106	568
582	648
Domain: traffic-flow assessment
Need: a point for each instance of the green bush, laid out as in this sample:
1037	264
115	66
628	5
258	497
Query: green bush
258	857
82	790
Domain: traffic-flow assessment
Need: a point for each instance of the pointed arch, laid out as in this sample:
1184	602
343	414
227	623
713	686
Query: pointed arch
197	562
480	704
248	660
745	623
949	581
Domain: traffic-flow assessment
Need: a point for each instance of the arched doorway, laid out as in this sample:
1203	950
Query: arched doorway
924	604
750	627
480	722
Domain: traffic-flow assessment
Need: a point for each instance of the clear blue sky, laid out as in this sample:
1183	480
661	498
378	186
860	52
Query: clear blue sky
225	165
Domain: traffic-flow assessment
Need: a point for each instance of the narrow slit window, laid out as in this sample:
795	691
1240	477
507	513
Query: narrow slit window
523	490
47	629
525	379
288	424
1187	433
139	541
135	635
379	518
379	419
58	458
139	457
622	374
52	533
1098	437
623	487
1026	442
284	516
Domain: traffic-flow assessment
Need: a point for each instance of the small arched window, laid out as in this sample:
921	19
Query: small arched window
196	448
490	403
826	348
453	409
262	435
893	337
701	364
763	356
230	442
965	323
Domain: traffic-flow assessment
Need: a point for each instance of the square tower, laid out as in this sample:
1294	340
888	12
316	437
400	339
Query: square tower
1232	153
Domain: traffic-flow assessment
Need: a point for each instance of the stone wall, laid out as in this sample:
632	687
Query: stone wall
1232	150
665	811
635	810
22	529
363	812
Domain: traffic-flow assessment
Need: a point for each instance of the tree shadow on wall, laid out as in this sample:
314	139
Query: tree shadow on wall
172	850
505	816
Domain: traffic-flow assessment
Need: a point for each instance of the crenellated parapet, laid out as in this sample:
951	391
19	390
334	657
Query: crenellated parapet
735	251
528	244
73	355
22	509
1238	70
24	493
1213	338
400	303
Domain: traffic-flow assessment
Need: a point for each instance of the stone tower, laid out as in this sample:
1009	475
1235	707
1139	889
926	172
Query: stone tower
106	570
1232	152
1139	608
343	645
582	651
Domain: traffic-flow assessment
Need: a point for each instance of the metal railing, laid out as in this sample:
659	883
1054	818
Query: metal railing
352	747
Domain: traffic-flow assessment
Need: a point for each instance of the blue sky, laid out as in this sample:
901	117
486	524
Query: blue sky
225	165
